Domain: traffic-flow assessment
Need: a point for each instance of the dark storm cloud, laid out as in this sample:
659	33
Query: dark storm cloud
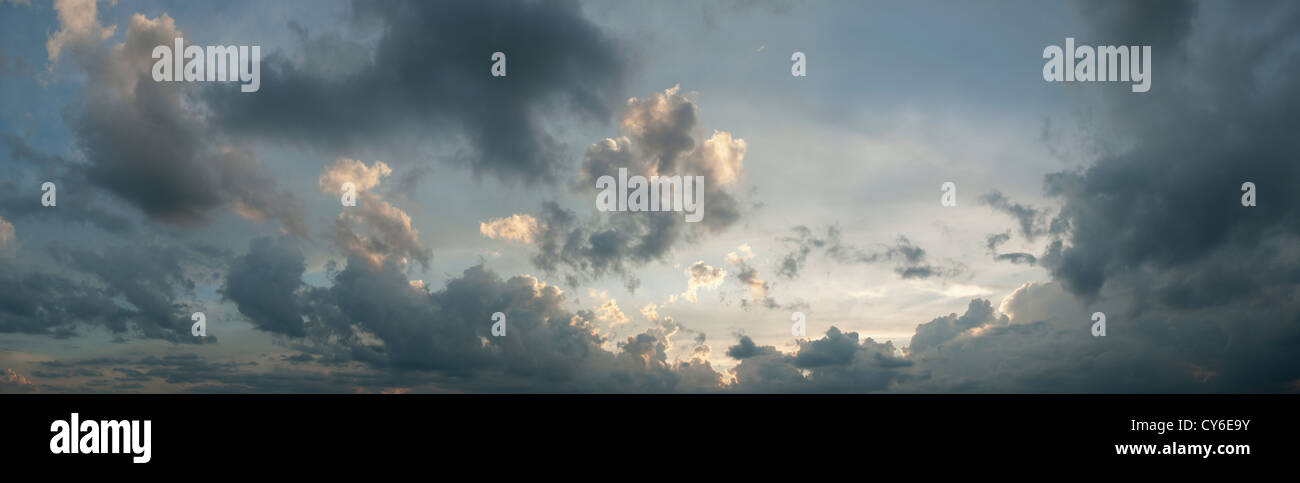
1198	290
746	349
130	290
838	362
429	76
1173	200
77	199
931	335
376	316
710	12
149	143
43	303
1162	24
836	348
264	283
909	260
149	279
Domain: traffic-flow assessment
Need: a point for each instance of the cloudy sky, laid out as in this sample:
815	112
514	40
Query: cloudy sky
477	194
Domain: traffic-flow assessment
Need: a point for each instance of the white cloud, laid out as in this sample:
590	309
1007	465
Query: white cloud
519	227
700	275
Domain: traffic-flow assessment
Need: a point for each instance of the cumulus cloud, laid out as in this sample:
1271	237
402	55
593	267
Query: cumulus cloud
150	143
931	335
345	170
1199	291
700	275
656	140
375	316
79	27
650	312
837	362
264	285
388	231
14	383
609	313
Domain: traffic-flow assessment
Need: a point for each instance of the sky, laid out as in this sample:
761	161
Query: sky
824	199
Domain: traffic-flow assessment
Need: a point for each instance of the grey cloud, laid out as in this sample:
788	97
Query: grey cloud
376	316
1199	292
746	349
1020	258
758	288
193	373
931	335
592	249
421	80
147	147
1172	201
760	291
130	290
1196	288
839	362
995	240
149	144
656	140
14	383
910	261
1031	221
1163	24
149	279
19	201
264	283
